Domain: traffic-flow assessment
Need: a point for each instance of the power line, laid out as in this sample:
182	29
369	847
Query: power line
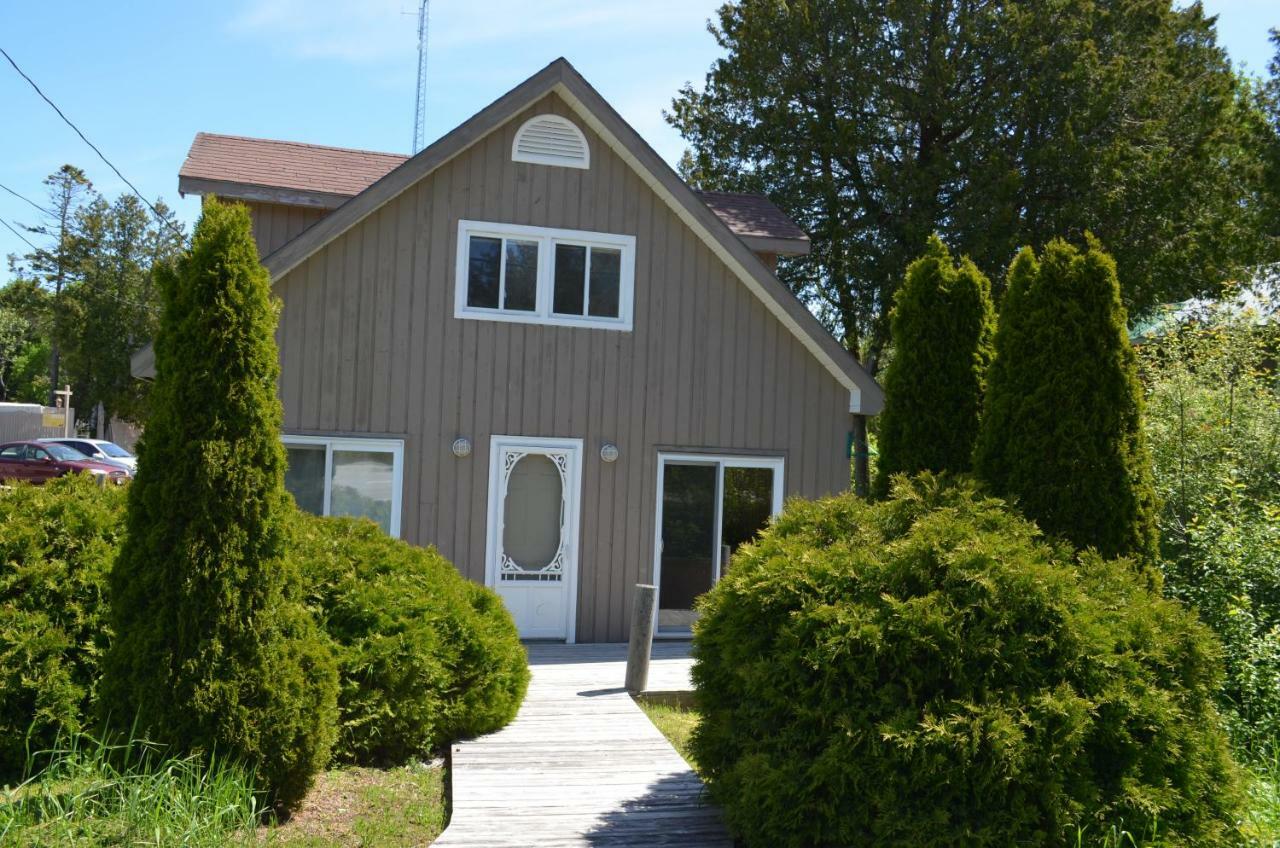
93	146
18	234
27	199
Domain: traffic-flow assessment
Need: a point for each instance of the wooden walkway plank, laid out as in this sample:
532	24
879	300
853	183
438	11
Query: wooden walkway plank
582	765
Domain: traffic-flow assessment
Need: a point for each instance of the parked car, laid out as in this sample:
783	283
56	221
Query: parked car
36	462
100	450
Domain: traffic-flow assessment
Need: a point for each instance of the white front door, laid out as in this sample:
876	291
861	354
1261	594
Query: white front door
534	502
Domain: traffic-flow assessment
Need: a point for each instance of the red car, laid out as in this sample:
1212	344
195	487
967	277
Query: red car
36	462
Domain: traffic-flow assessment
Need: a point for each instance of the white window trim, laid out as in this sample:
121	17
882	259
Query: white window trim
547	238
395	447
721	461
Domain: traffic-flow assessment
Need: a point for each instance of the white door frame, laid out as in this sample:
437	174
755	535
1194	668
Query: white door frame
720	461
573	503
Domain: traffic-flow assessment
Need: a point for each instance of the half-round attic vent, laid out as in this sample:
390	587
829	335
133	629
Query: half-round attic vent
551	140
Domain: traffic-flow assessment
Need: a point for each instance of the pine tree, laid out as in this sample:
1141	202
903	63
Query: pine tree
1062	433
942	326
213	651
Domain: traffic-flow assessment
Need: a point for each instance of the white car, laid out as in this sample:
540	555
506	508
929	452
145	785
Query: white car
100	451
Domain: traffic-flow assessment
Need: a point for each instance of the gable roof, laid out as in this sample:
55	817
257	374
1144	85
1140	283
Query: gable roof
324	177
312	174
563	79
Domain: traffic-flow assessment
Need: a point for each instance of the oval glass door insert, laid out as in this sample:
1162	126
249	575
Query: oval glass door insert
533	513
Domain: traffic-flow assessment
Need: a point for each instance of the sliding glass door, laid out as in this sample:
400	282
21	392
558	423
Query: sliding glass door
709	507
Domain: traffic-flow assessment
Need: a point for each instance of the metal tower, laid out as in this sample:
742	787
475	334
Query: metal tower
420	109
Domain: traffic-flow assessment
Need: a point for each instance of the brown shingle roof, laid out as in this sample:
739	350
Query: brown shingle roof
342	171
752	215
286	164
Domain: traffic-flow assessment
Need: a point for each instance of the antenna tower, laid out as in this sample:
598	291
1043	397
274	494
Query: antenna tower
420	107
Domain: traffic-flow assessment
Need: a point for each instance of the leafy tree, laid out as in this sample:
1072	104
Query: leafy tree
1062	428
69	189
24	362
13	330
995	124
213	649
112	310
1269	99
942	323
1213	421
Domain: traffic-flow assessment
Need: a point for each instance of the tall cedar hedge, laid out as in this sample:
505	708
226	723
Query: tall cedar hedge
214	651
929	672
943	322
1062	432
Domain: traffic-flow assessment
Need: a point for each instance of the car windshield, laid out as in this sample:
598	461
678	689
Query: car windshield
112	449
62	452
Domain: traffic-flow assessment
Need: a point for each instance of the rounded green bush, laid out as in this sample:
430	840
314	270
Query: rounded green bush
928	671
425	656
57	543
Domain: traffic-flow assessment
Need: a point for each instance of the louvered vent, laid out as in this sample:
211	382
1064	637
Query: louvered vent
551	140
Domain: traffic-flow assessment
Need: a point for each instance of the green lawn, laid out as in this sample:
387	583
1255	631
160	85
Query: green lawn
130	795
676	723
371	808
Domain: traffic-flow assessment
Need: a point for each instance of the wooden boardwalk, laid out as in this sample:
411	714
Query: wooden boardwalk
581	764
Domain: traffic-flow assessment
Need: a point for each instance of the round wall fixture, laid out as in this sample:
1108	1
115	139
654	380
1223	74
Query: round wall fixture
609	452
461	447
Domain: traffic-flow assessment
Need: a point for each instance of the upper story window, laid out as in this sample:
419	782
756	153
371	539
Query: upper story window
551	140
541	275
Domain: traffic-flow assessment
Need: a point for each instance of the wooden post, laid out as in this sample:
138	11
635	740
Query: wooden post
640	647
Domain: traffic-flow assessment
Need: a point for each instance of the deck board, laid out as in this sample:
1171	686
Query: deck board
582	765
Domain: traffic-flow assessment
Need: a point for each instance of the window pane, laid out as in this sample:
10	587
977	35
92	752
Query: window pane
482	272
304	478
571	275
747	505
606	276
522	275
362	485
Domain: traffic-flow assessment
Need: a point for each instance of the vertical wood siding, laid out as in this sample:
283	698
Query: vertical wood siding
369	345
274	223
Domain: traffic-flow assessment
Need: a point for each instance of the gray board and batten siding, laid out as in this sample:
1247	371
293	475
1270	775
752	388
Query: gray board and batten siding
369	345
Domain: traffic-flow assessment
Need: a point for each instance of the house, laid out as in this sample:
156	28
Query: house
535	347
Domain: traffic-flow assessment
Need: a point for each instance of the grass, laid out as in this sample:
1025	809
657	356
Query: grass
89	794
676	723
92	794
372	808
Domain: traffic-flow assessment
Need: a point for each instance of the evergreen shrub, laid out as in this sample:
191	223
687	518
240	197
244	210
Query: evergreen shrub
942	327
425	656
930	671
213	649
57	543
1062	426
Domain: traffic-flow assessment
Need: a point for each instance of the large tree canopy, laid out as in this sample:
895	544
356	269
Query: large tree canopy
995	123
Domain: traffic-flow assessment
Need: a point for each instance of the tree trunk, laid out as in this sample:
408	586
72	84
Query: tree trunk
861	457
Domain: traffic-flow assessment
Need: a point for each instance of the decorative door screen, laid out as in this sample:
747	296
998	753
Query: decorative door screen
533	540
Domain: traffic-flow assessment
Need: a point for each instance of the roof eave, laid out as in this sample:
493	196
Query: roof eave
260	193
778	246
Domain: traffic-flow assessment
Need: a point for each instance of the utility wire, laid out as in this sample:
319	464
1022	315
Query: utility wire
18	234
93	146
27	199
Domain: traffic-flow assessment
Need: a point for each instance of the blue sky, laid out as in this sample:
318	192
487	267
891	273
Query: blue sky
140	78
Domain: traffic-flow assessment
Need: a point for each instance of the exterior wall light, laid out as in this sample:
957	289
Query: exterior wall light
461	447
609	452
